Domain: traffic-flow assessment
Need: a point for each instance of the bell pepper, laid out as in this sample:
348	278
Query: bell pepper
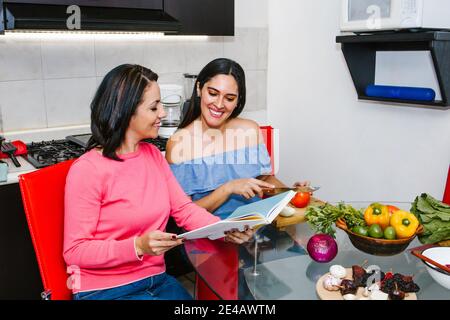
405	223
377	213
392	209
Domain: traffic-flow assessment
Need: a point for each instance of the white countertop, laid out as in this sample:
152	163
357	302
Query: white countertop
37	135
28	136
14	172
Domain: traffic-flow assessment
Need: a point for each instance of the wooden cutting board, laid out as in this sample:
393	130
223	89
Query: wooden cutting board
298	217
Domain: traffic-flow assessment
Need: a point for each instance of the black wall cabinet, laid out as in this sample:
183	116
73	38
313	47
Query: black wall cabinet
203	17
137	4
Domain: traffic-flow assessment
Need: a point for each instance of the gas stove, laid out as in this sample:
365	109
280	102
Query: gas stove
45	153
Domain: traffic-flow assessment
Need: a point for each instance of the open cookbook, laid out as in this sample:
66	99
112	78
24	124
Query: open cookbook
253	214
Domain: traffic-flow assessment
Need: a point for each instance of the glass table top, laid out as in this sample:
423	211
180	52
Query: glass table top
284	269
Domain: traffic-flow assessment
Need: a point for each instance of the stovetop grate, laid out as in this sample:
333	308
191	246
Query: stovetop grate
46	153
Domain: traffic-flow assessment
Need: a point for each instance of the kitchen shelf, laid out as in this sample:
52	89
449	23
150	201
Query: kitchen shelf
360	54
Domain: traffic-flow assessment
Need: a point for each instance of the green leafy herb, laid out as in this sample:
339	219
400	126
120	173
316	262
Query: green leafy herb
321	218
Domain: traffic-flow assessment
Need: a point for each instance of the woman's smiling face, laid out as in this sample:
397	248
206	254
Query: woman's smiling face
146	121
218	99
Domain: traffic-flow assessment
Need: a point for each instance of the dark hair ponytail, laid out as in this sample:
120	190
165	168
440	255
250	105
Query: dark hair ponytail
212	69
114	104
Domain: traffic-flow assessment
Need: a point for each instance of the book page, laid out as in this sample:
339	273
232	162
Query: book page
283	203
267	208
217	230
256	213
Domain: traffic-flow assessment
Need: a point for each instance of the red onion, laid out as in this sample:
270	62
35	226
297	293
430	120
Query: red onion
322	248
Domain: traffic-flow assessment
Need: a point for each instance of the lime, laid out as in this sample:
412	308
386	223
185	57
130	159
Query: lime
362	230
375	231
389	233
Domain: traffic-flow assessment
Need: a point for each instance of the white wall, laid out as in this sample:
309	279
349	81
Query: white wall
357	151
250	13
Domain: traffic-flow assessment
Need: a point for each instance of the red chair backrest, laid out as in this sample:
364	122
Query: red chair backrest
43	199
447	189
267	133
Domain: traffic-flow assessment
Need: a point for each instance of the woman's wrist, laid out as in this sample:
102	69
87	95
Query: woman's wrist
137	246
226	189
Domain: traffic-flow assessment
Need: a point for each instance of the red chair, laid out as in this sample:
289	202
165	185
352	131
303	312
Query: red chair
43	199
268	136
447	189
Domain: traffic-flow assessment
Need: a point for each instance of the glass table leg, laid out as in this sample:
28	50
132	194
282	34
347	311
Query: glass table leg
257	239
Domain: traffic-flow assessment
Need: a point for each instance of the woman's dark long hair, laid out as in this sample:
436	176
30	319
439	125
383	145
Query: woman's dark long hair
114	104
212	69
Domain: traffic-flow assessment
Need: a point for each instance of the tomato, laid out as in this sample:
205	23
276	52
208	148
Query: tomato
362	230
301	199
375	231
392	209
389	233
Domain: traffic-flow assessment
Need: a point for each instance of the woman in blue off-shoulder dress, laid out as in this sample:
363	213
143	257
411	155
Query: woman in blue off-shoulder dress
219	159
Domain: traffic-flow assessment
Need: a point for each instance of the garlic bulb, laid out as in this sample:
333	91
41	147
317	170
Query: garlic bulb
331	283
338	271
287	211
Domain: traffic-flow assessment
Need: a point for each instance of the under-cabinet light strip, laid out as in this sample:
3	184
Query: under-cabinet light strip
87	35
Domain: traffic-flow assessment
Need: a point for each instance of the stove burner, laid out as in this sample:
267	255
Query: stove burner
45	153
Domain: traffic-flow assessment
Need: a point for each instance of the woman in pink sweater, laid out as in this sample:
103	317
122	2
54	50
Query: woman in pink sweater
120	194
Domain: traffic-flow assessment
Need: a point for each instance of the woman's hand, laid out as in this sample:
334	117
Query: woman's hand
247	188
237	237
156	243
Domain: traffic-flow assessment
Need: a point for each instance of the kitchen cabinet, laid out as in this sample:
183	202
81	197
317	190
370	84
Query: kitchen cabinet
19	272
137	4
203	17
197	17
360	54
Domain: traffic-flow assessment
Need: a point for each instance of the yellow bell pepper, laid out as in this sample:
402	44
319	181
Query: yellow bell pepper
377	213
405	223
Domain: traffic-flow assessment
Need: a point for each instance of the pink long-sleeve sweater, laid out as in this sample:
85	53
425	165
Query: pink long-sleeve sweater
108	204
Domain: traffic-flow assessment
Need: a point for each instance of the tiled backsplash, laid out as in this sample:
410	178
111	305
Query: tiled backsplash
49	82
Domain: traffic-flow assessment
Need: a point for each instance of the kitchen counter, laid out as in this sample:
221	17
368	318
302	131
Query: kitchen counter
36	135
14	172
29	136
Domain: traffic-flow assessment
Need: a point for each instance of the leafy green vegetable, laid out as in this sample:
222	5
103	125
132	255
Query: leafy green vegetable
434	215
321	218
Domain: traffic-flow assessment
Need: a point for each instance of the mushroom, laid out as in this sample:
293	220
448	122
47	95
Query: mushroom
338	271
331	283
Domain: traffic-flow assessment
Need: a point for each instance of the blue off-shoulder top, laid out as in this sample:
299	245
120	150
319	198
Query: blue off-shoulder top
201	176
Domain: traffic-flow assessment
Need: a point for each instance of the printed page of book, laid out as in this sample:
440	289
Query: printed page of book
267	208
217	230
